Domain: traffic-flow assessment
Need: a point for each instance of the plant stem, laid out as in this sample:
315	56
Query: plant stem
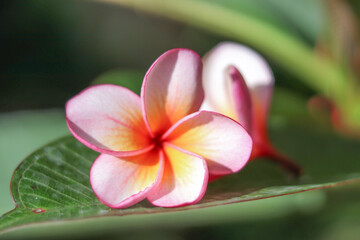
287	164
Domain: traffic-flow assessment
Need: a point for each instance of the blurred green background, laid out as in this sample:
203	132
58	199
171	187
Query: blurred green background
50	50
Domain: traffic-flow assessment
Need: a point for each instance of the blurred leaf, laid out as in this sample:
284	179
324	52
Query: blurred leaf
226	18
52	183
21	133
290	106
307	16
346	223
131	79
303	18
340	41
342	34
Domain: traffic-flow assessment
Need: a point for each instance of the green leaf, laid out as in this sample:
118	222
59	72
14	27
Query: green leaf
52	183
298	18
21	133
226	19
306	16
131	79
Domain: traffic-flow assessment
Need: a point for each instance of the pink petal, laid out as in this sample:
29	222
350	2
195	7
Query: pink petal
172	89
223	142
242	100
122	182
108	119
255	70
184	179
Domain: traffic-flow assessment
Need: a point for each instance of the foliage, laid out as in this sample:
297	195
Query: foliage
52	183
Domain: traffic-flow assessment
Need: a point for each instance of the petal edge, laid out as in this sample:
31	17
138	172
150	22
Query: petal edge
184	180
108	119
114	181
171	89
222	141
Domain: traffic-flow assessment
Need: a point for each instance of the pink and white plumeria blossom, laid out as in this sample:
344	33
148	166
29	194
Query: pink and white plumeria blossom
157	146
238	83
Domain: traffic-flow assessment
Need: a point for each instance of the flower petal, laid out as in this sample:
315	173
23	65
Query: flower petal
108	119
242	100
122	182
172	89
184	179
255	70
223	142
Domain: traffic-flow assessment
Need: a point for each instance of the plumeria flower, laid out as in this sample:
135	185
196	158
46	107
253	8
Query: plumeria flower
157	146
244	97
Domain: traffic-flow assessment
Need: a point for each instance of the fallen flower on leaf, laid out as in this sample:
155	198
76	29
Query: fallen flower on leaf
157	146
238	83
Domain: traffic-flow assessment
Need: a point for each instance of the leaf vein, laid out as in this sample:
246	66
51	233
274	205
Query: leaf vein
48	187
46	198
75	153
73	167
64	176
67	186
